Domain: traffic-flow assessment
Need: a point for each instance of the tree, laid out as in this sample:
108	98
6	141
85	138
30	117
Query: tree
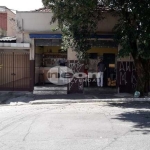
133	34
78	20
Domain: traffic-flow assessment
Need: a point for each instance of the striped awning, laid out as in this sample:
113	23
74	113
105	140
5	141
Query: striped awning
7	39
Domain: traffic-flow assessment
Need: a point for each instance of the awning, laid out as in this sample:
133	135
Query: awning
59	36
46	36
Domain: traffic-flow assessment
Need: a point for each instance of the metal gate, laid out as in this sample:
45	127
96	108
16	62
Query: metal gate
14	71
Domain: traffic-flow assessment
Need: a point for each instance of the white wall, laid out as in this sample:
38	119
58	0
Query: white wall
71	54
34	22
23	38
39	22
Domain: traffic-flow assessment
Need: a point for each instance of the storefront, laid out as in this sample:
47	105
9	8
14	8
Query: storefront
45	51
104	48
48	54
109	57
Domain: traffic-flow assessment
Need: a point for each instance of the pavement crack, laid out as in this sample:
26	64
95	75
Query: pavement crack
29	129
109	119
115	139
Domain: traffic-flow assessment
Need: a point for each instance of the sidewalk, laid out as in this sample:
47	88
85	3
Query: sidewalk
86	98
22	98
15	97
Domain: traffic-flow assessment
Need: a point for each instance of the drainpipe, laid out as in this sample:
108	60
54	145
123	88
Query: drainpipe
22	31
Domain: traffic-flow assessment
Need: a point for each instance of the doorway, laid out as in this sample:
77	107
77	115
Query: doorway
110	73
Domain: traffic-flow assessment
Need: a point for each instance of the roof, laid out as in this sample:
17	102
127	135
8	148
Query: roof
3	7
44	9
2	39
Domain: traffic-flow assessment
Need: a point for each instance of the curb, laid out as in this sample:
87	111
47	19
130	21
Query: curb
65	101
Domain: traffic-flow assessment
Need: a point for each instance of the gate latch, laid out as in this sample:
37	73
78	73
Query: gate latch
1	65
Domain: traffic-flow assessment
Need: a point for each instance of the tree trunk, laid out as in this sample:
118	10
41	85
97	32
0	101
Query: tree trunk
141	82
143	71
146	64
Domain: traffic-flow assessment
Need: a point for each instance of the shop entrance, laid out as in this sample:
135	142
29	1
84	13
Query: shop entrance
46	58
109	58
110	73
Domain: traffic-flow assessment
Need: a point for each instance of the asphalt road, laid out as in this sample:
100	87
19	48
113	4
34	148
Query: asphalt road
92	126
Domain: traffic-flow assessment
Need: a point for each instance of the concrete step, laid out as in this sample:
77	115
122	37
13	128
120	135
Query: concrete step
64	92
50	88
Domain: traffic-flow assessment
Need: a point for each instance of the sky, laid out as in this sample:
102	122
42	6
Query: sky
22	5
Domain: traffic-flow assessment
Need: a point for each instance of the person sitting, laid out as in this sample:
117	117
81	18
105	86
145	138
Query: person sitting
62	62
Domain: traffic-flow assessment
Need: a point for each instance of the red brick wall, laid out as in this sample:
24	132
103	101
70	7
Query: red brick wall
3	21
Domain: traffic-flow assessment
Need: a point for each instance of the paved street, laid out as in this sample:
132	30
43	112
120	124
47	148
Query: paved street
89	126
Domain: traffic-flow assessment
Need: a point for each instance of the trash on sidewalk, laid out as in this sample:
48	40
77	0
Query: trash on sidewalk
137	94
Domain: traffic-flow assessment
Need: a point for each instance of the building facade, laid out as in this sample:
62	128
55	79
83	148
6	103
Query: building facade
14	60
34	28
7	22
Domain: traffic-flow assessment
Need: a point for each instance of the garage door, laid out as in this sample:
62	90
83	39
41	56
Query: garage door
14	71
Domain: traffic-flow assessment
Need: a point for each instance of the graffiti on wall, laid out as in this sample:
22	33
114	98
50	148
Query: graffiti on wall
80	85
75	65
75	84
127	74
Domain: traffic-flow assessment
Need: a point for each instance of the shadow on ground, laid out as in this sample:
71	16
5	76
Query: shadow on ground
131	104
139	115
75	96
